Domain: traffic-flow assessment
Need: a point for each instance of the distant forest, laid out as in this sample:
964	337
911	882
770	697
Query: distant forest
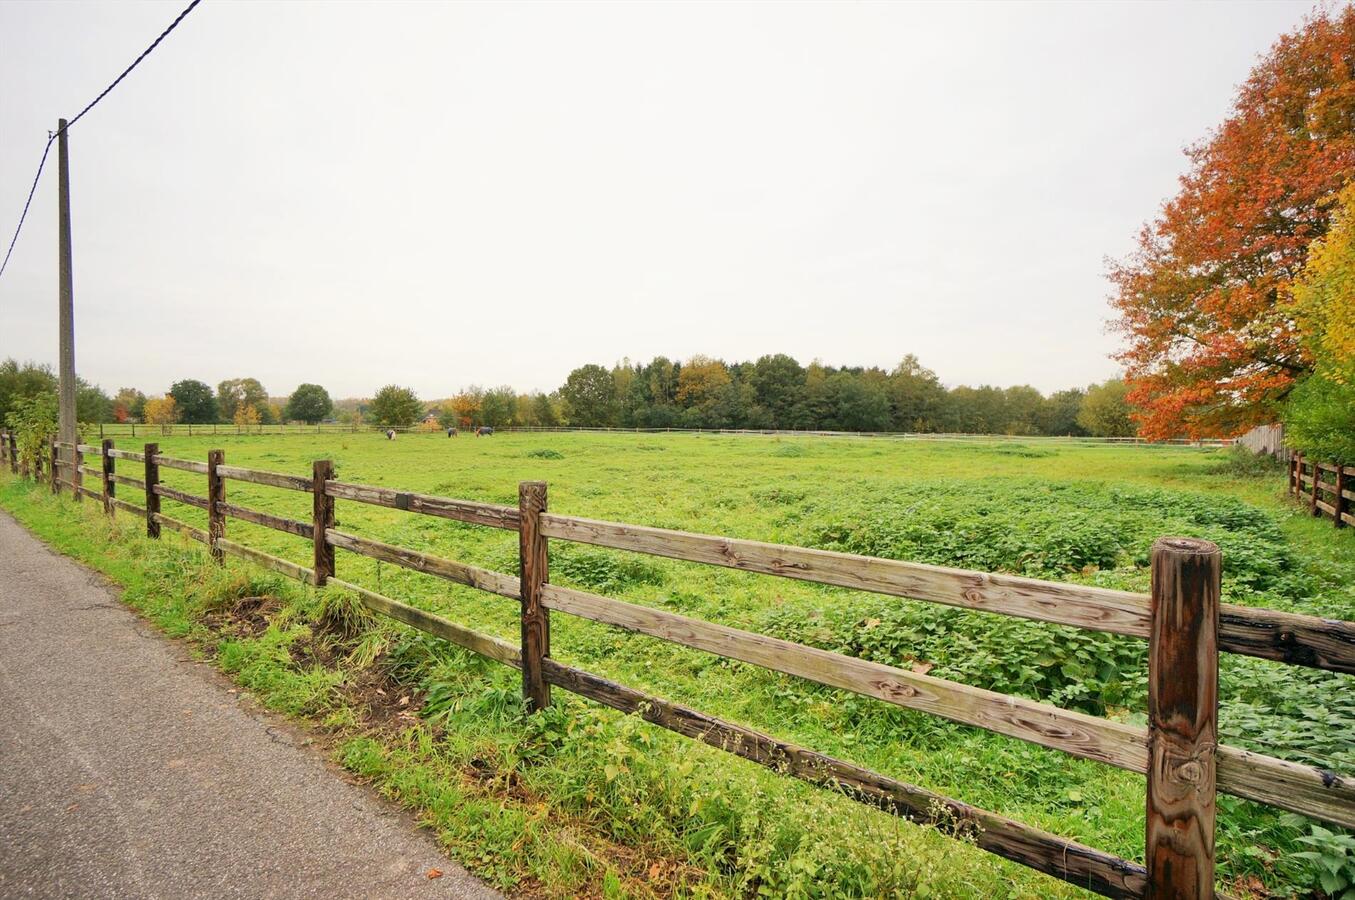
776	391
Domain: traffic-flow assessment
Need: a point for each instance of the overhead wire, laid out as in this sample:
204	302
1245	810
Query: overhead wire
51	136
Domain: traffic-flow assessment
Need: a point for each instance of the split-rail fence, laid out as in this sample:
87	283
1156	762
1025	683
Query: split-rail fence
1182	619
1332	497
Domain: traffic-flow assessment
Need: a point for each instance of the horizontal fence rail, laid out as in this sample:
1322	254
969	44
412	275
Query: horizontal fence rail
1181	618
1327	489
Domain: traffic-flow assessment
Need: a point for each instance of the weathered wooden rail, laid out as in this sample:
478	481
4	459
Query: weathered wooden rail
1332	497
1182	619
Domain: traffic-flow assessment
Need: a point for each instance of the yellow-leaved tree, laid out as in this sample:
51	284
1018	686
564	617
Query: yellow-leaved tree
161	411
1319	416
246	416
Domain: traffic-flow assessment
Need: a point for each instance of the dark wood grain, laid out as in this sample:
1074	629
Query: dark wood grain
216	495
152	480
1183	676
1339	499
109	488
322	518
534	562
77	478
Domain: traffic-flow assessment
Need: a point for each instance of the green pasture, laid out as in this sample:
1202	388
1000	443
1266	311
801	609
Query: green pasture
716	825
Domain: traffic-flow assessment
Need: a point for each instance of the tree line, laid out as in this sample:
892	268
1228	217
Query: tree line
774	391
241	401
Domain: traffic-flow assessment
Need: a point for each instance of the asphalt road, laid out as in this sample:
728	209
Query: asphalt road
128	770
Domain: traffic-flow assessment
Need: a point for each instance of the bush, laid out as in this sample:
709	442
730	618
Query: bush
1319	418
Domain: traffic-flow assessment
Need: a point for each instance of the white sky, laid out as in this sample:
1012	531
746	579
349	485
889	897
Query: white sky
439	195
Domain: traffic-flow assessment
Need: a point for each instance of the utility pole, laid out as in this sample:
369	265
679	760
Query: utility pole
66	318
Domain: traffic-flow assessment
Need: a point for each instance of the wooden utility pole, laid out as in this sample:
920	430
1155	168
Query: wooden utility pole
66	316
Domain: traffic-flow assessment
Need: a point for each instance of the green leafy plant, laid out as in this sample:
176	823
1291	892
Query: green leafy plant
34	423
1332	859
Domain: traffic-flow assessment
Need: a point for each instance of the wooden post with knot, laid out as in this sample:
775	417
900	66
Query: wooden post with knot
1183	705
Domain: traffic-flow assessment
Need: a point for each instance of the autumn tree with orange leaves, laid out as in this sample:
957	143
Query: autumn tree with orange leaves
1212	342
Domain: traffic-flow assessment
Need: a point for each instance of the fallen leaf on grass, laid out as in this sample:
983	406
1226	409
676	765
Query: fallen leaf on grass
922	668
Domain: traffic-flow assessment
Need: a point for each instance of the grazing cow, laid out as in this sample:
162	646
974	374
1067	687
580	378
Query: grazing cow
451	432
390	434
484	430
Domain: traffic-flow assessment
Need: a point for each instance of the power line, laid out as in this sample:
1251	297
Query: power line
104	93
125	72
23	215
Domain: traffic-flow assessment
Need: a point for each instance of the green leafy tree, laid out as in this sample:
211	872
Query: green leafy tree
1319	415
129	405
395	406
590	393
1105	410
497	406
1021	410
1058	413
916	396
20	381
544	411
195	401
778	383
1319	418
858	403
233	392
976	410
309	403
92	404
33	420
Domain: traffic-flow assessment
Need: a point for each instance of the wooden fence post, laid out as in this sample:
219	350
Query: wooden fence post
152	498
53	457
13	455
77	477
534	571
1183	676
216	495
104	447
1317	476
1339	500
322	517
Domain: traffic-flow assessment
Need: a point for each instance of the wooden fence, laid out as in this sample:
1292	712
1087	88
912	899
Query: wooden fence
1267	439
1182	619
1333	497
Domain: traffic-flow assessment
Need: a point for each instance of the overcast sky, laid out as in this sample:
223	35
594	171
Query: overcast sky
438	195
